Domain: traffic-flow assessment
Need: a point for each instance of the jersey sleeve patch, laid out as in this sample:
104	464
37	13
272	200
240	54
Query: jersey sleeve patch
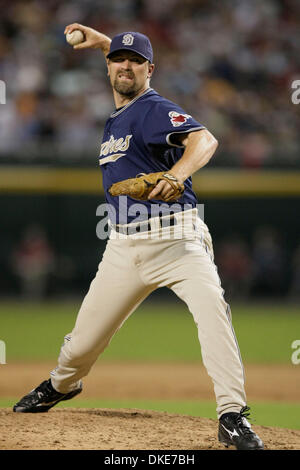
163	119
178	119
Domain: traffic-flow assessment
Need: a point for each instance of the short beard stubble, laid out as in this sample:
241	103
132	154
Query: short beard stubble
130	91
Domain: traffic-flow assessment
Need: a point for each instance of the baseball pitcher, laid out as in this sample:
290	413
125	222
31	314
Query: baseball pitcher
150	149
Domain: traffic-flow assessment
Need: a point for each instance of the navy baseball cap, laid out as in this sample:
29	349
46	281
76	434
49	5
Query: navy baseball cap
135	42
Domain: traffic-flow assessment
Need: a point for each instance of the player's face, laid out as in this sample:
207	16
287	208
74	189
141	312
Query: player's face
128	72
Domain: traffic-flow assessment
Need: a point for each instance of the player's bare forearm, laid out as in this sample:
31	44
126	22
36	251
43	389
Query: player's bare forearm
199	148
93	39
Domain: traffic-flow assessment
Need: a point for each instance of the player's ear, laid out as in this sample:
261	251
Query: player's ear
150	69
107	63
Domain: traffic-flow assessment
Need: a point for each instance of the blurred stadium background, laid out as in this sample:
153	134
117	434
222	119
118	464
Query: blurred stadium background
230	64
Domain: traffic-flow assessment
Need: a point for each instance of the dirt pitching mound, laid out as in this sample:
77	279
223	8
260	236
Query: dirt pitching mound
106	429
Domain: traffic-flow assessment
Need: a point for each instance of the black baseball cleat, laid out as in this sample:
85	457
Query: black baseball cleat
234	429
42	398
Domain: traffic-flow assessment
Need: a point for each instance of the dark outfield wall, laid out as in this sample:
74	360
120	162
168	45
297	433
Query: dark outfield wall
70	224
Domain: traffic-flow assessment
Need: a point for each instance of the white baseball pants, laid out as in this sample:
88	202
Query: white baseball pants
133	266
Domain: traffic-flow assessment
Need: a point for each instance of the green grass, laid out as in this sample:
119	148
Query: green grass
153	333
283	415
158	332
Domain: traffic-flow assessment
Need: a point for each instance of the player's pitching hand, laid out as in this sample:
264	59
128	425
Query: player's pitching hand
92	38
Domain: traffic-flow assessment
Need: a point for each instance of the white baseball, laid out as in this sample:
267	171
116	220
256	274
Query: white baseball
76	37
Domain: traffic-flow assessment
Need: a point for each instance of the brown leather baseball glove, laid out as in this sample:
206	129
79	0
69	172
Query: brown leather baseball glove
141	186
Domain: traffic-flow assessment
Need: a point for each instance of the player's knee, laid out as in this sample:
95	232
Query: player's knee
212	300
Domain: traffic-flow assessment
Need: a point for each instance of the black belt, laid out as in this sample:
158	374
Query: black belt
145	226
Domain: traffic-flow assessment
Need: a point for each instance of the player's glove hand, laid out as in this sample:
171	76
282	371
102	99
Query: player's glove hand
141	186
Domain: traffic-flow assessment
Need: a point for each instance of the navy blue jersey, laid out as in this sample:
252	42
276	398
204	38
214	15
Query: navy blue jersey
138	138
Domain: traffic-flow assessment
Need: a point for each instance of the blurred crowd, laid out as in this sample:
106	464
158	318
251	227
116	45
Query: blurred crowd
260	268
229	63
